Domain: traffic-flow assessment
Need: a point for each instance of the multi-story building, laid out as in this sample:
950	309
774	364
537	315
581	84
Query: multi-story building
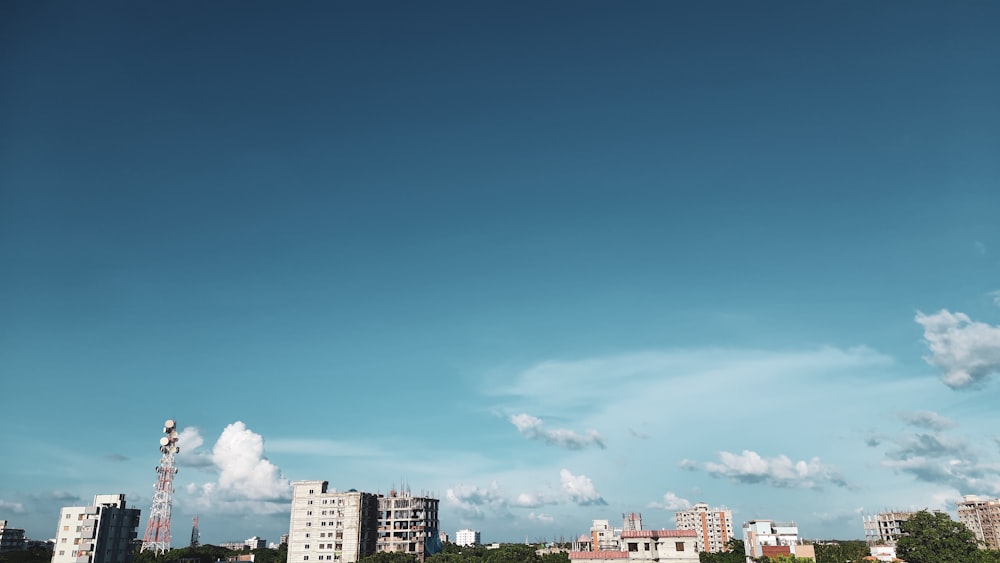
603	537
773	539
467	537
100	533
884	528
714	526
331	526
675	546
408	524
11	539
982	516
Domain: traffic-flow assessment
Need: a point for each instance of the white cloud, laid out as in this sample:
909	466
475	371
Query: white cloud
996	297
671	502
475	502
531	427
780	471
247	481
965	350
580	489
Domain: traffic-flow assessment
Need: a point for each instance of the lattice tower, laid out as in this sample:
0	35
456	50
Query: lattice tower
157	536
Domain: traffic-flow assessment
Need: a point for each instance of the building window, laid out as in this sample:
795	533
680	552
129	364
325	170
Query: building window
309	502
679	546
309	513
310	491
633	547
305	558
309	523
61	552
306	546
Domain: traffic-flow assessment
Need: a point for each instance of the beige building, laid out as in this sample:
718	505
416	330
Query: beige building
331	526
714	526
408	524
982	516
100	533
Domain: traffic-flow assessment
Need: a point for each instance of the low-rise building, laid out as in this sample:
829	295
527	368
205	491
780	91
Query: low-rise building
773	539
674	546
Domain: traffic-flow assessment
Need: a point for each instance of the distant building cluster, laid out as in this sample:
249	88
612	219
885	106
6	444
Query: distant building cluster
346	526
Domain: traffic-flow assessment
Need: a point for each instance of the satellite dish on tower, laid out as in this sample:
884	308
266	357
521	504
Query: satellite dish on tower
169	424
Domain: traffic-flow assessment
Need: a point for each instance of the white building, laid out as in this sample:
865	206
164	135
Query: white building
100	533
665	546
773	539
467	537
714	526
331	526
982	516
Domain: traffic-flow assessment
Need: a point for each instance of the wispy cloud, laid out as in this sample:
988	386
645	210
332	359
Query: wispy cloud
545	518
926	419
580	489
780	471
671	502
532	428
932	456
531	500
966	351
9	506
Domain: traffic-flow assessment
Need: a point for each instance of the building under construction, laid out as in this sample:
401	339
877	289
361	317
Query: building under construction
884	528
982	516
408	524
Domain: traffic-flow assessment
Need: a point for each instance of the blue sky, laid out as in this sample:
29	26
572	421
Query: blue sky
550	262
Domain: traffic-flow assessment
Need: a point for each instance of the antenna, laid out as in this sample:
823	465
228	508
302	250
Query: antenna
157	536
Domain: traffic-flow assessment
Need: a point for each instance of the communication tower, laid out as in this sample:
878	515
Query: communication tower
157	536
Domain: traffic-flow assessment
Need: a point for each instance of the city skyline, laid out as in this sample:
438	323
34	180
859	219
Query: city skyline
548	263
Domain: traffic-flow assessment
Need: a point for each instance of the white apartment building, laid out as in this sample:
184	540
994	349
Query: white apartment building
982	516
467	537
773	539
884	528
714	526
330	526
408	524
100	533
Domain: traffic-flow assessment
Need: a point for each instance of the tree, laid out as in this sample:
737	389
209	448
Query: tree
935	538
734	553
